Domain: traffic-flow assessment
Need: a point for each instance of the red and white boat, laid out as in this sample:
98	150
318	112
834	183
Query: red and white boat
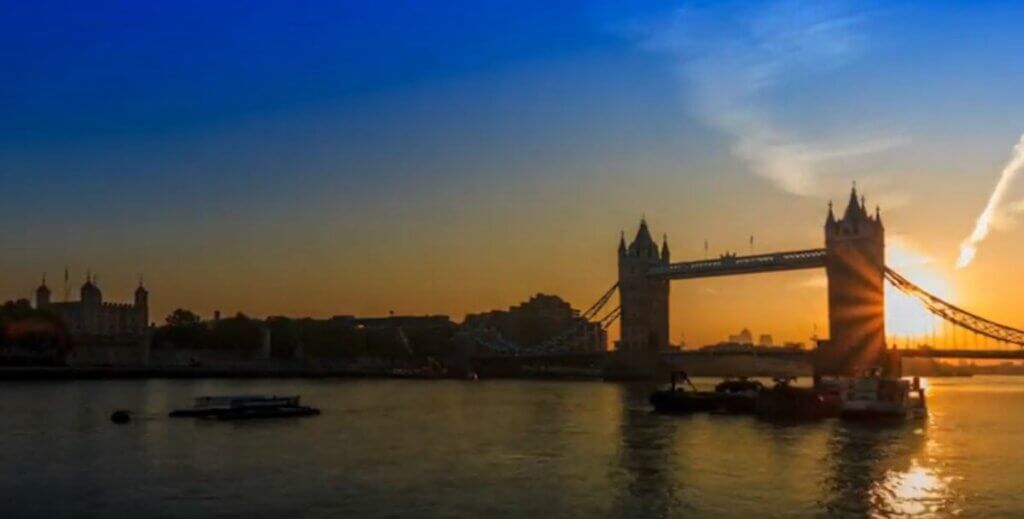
874	396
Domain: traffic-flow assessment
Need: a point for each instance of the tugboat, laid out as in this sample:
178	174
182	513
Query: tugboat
873	396
246	407
738	395
680	400
788	403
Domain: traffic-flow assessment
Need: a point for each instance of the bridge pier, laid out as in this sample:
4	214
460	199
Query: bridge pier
634	365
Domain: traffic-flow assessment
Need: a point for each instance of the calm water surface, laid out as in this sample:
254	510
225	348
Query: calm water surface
495	449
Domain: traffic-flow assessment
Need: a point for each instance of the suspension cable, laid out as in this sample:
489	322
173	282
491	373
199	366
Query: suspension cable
955	315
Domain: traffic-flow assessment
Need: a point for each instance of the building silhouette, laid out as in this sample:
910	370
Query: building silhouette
91	316
541	318
644	298
744	337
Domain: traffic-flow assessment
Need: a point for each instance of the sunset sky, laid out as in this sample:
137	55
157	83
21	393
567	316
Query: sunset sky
322	158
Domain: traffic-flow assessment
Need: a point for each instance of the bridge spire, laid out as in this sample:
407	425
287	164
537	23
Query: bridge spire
664	248
831	215
854	208
622	242
643	244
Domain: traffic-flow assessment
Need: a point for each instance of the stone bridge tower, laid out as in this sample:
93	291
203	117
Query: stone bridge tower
643	299
855	265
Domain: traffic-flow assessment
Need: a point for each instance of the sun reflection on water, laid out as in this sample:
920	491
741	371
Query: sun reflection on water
915	492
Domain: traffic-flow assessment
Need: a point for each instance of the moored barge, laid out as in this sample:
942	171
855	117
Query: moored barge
244	407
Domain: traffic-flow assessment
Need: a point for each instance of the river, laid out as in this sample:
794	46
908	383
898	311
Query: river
406	448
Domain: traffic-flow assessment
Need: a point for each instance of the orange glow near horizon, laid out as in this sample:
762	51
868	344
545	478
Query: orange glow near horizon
905	316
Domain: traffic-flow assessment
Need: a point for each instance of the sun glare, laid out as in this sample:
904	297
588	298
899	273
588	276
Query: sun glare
905	317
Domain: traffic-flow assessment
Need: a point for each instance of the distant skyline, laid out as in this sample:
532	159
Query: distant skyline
356	158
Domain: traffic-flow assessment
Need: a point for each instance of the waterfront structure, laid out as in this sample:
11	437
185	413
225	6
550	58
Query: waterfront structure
855	267
542	318
644	298
90	316
854	262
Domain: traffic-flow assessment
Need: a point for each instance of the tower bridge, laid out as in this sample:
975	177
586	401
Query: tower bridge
853	258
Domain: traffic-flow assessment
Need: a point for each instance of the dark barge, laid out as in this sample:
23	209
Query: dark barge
245	407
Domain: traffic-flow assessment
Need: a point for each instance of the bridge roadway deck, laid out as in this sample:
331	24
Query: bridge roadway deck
735	265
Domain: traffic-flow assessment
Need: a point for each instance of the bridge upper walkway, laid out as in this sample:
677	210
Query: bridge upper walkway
729	265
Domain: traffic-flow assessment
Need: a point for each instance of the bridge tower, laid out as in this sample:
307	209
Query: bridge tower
643	298
855	266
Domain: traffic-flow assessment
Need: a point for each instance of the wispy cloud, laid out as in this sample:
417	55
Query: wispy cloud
731	55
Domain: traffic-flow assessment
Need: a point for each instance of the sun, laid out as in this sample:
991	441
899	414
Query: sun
905	317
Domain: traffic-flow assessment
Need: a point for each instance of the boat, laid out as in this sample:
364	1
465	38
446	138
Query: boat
738	395
875	396
785	402
244	407
679	399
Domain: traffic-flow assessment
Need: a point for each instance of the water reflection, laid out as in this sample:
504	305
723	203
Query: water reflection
646	468
496	449
884	471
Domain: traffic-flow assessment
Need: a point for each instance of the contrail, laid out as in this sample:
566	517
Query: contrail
969	247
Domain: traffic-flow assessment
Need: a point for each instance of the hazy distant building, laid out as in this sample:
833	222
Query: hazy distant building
765	340
90	316
744	337
539	319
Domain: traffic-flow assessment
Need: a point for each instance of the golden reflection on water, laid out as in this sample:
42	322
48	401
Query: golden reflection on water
915	492
486	448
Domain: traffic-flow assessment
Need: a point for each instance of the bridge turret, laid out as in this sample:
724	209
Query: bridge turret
643	245
622	243
665	256
855	265
643	298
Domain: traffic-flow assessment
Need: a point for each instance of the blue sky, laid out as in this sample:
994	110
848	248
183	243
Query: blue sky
208	144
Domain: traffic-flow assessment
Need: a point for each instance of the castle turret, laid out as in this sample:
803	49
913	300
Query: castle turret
142	306
43	294
90	293
91	308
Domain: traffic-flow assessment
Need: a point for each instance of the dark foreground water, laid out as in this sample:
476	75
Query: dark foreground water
495	449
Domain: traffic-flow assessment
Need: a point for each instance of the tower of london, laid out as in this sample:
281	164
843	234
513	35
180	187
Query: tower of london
91	316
